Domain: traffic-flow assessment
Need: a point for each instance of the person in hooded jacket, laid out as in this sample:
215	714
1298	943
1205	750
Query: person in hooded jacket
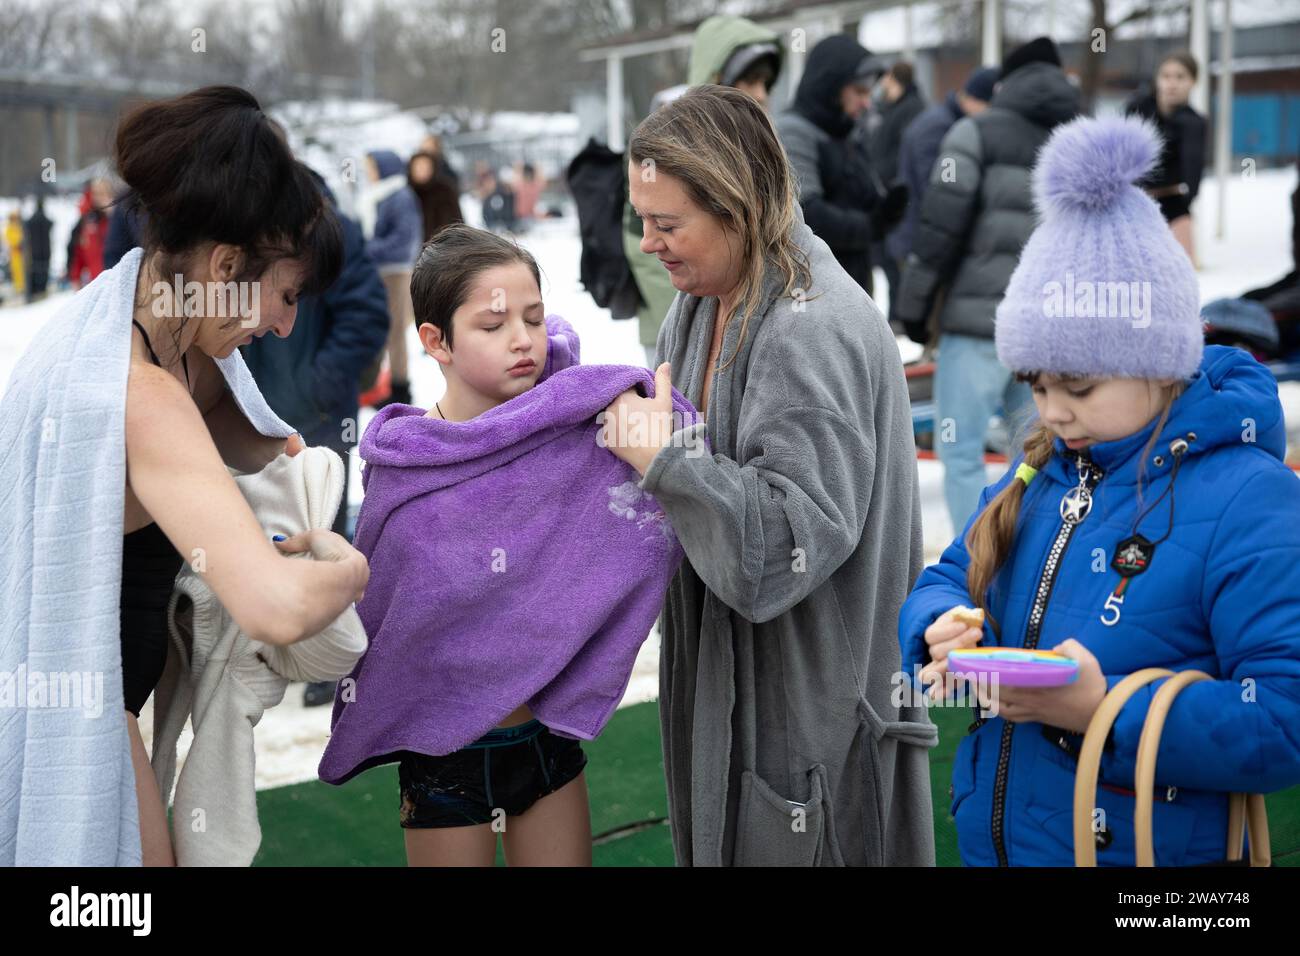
393	225
843	201
975	219
310	378
1150	522
727	51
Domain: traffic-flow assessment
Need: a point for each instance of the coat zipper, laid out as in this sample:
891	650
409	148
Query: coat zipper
1074	507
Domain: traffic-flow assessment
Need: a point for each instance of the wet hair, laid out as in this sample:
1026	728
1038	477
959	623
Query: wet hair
721	144
448	265
210	166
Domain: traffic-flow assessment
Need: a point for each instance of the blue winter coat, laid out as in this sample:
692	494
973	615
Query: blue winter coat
399	224
311	377
1221	595
916	156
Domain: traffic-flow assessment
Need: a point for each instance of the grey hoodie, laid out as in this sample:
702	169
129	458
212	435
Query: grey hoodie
802	534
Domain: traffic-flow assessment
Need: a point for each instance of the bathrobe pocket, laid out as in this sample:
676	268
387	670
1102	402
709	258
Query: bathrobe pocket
772	830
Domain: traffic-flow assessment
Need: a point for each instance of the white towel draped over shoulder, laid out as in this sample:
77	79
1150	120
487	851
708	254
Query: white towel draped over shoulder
224	682
67	788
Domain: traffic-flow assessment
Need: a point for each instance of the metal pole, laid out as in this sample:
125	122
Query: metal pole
1200	44
614	101
991	46
368	64
1223	122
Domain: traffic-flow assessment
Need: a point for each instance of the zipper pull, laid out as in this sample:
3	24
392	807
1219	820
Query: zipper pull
1077	502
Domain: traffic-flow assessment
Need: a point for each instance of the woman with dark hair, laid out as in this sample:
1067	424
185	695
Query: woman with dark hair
1176	180
784	742
117	435
436	186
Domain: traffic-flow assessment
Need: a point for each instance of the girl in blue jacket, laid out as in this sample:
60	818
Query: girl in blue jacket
1150	522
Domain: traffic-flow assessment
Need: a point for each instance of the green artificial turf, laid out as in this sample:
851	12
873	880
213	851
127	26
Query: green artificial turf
314	824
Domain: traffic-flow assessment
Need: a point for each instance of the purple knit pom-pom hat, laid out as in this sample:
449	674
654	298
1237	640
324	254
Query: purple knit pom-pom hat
1102	288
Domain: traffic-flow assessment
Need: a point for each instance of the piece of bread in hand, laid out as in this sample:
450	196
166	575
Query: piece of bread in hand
970	616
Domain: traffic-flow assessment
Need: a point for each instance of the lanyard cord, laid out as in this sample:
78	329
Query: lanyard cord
1173	476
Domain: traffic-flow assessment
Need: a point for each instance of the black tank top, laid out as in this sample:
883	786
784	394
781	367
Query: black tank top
150	564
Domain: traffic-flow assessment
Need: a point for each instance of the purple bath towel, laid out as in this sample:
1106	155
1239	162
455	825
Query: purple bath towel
512	561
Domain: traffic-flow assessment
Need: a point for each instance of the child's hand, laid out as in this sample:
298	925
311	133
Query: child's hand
636	428
1070	707
947	633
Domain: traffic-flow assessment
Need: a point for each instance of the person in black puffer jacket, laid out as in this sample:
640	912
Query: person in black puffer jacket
920	147
976	217
844	203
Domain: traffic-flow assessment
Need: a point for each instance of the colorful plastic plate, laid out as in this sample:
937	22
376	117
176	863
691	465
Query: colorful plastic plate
1014	666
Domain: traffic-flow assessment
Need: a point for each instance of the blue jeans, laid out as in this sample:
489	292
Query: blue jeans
970	386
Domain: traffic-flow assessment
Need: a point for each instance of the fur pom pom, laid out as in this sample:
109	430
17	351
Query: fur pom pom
1087	164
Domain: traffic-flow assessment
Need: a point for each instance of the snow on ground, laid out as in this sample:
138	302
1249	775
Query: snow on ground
291	738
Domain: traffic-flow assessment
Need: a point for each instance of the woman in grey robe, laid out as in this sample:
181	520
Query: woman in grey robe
786	740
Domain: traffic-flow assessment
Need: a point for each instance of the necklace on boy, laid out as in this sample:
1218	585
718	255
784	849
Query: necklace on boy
440	414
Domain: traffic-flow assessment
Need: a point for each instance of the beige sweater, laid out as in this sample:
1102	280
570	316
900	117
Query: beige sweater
223	682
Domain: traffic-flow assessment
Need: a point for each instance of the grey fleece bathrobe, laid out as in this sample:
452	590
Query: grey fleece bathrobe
802	534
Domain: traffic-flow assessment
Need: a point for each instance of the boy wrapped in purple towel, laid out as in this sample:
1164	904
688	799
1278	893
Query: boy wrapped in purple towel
515	568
